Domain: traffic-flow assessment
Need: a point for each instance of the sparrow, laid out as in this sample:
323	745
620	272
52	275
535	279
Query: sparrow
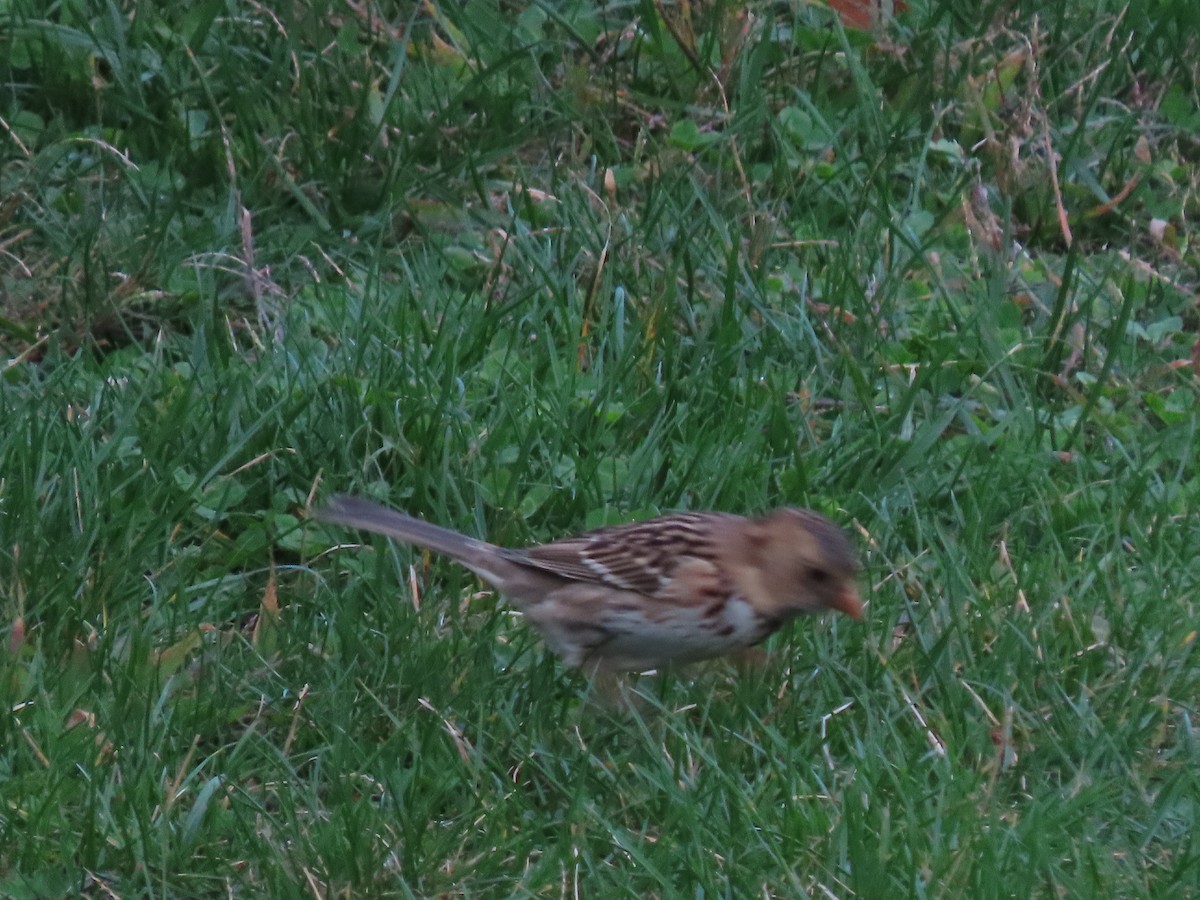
674	589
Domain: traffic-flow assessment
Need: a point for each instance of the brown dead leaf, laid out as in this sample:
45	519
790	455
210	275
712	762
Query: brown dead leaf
268	612
16	638
867	15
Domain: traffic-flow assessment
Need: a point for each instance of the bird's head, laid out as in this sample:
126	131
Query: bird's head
797	562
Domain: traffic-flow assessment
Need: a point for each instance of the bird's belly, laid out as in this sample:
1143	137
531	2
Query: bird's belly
649	637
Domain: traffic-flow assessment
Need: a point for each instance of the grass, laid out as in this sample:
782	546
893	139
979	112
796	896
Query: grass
526	270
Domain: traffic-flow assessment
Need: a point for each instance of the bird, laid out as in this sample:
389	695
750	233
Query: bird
670	590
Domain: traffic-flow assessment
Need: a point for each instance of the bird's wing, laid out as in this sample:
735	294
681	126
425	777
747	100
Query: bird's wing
640	556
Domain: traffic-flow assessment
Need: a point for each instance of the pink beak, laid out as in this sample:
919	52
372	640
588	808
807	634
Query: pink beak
847	602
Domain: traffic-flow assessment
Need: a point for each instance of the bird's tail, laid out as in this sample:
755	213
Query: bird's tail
356	512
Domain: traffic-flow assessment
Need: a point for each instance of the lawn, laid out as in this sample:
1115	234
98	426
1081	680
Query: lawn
528	269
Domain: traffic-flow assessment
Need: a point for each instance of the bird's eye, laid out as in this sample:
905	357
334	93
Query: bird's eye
818	576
